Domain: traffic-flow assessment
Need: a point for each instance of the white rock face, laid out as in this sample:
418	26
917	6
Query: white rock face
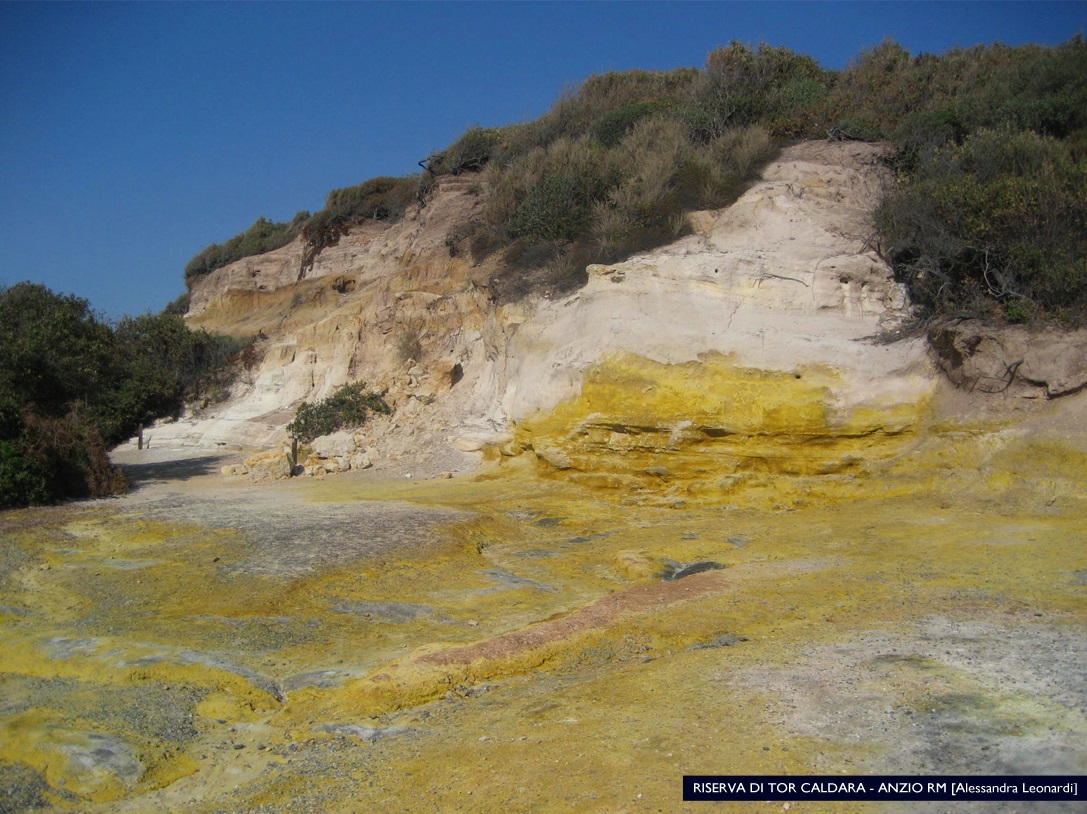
785	277
336	445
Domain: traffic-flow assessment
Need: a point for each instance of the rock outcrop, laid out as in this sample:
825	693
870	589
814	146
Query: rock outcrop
738	355
979	357
784	278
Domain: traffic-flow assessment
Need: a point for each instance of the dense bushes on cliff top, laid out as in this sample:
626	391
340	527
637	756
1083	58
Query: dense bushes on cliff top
263	236
71	384
612	166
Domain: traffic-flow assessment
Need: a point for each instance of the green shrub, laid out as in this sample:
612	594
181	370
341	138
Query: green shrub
24	481
1016	312
54	350
45	459
469	153
382	198
876	92
179	306
58	358
263	236
579	181
644	196
548	194
611	128
557	208
923	132
742	86
797	108
580	110
349	406
1003	215
165	363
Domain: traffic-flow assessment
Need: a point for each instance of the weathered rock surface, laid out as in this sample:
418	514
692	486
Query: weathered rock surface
270	465
980	357
784	278
338	444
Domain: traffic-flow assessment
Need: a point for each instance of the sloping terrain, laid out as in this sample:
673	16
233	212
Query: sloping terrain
771	310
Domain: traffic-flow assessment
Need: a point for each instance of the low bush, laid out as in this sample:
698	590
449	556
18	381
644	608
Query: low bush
71	383
263	236
584	181
383	198
469	153
349	406
611	128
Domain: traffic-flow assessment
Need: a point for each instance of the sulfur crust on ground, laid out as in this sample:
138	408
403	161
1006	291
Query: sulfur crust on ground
505	642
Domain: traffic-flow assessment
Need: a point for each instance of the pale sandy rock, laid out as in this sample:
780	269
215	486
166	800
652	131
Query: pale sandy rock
783	278
786	277
273	464
555	457
335	445
1016	360
469	443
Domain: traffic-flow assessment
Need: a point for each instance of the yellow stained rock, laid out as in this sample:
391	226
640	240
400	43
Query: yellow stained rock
928	601
713	430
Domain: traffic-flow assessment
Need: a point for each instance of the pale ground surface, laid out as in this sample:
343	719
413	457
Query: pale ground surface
504	643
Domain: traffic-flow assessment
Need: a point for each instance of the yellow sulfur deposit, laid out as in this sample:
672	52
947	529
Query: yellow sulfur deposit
713	430
687	569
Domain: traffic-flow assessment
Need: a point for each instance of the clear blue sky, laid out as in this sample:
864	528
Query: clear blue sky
134	134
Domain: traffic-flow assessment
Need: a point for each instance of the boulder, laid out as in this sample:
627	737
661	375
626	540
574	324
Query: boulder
336	445
271	465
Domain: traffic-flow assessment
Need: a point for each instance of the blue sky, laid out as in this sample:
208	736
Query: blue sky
134	134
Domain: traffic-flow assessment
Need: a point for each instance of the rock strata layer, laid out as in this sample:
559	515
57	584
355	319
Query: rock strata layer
784	281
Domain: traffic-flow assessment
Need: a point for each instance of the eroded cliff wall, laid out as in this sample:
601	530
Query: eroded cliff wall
743	358
783	280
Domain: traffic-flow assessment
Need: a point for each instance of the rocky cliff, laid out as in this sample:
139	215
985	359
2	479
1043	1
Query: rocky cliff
745	351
